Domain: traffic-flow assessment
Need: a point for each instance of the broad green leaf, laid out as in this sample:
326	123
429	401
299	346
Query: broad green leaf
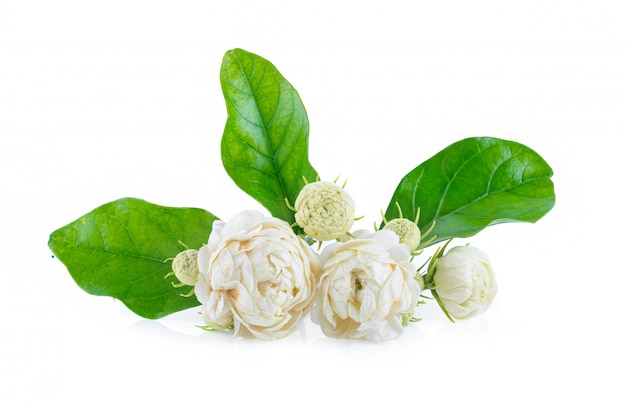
119	250
472	184
266	138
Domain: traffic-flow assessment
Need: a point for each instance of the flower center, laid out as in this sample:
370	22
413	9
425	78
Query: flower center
358	282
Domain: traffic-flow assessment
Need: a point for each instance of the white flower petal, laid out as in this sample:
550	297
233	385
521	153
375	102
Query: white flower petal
364	288
465	282
266	272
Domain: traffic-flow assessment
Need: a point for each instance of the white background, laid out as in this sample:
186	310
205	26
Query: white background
102	100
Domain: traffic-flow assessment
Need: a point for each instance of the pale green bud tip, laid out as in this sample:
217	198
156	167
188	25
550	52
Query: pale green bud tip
185	266
420	281
324	210
408	232
406	318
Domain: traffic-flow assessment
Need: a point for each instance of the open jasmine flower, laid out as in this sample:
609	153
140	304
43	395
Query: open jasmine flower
256	275
366	286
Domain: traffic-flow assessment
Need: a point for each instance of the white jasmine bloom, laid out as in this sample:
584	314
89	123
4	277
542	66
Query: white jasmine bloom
324	210
365	287
185	266
256	275
407	230
465	282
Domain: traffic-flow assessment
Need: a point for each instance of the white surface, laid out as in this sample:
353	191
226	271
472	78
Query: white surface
122	98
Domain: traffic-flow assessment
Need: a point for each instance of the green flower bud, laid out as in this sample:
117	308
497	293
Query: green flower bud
185	266
407	230
324	210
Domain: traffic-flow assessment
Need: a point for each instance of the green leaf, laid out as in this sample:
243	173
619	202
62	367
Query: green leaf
119	248
472	184
266	138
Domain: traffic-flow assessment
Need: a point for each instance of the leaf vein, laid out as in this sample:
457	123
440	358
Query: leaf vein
454	176
264	129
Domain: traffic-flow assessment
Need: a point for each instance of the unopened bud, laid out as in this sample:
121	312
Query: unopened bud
324	210
407	230
185	266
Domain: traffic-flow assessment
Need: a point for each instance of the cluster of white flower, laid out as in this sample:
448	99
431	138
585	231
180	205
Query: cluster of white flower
257	277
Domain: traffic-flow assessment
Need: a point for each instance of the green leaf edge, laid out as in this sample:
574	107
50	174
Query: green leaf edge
278	207
62	250
392	209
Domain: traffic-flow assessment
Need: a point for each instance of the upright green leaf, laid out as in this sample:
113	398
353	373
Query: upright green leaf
472	184
119	250
266	138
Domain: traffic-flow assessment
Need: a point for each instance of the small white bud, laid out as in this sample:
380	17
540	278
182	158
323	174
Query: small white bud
465	282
